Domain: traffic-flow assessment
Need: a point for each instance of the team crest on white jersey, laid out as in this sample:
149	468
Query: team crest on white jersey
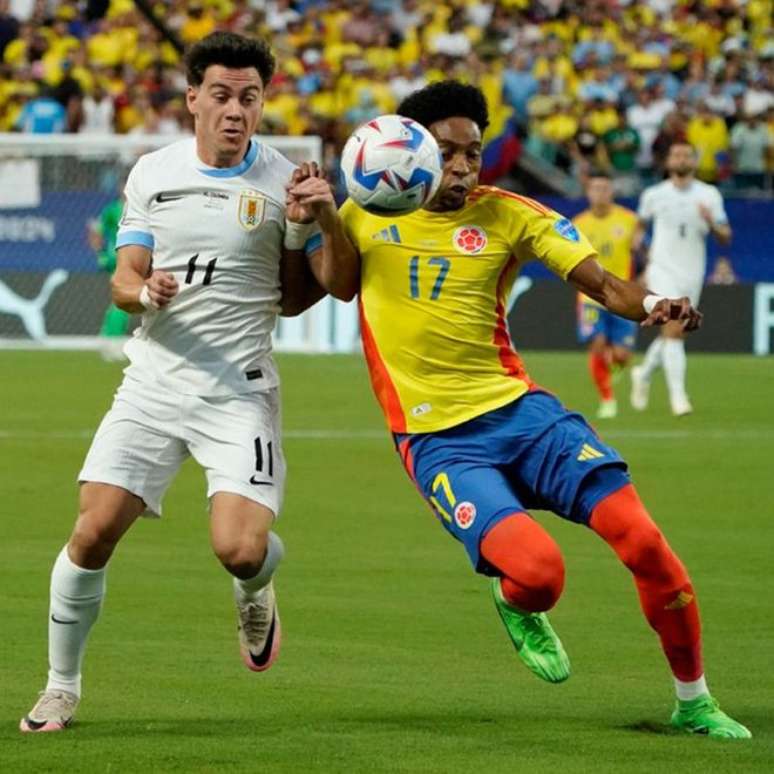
252	206
470	239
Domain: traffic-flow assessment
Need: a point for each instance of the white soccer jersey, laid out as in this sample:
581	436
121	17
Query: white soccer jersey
679	245
220	232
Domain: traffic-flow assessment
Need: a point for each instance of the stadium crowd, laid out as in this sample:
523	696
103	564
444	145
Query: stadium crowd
607	83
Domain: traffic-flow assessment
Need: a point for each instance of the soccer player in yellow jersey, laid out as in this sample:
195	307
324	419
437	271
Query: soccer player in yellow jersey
482	442
615	233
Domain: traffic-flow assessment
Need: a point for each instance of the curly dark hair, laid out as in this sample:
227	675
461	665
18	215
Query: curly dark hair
446	99
230	50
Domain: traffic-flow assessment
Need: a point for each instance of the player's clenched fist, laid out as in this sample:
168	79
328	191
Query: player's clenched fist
159	289
674	309
309	196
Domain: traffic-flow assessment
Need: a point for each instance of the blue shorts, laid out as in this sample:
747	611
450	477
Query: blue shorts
532	453
594	320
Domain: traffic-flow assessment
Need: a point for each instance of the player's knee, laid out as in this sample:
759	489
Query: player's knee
543	580
242	555
93	540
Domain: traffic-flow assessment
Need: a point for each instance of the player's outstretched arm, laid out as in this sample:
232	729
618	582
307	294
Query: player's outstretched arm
336	264
629	299
134	287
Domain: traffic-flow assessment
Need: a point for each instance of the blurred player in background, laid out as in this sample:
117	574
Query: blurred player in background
102	235
616	235
199	249
684	211
481	441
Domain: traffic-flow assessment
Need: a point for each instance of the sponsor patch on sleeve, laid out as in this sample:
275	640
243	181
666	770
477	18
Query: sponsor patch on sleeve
566	228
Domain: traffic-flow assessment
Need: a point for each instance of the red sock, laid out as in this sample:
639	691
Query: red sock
530	562
600	373
666	594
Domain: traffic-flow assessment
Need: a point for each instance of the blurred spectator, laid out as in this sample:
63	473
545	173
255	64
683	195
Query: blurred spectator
9	26
722	273
362	26
587	149
719	101
646	117
98	112
198	23
759	97
42	115
551	66
752	147
708	134
672	131
519	84
622	143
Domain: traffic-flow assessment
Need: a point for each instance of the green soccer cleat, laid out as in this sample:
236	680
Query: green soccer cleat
702	715
534	639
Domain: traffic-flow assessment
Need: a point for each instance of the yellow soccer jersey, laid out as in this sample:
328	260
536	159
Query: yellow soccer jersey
433	295
612	238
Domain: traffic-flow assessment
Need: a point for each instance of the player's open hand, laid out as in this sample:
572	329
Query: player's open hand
162	288
309	196
674	309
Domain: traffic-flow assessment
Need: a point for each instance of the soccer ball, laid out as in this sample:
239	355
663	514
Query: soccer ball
391	165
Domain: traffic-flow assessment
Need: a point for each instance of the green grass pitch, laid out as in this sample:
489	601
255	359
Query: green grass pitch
393	658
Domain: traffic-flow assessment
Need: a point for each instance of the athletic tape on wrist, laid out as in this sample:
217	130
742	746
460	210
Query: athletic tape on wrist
145	300
650	301
297	234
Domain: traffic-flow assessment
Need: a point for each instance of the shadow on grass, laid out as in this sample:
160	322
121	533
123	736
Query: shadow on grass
649	727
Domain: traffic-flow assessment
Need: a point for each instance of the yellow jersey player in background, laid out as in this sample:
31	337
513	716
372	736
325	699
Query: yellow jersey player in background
481	441
616	235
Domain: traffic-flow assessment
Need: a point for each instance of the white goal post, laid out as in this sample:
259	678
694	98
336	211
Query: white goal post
52	291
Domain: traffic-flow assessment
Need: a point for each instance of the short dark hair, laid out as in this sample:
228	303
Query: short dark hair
230	50
446	99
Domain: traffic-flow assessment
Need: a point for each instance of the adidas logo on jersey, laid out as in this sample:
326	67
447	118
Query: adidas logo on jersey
389	234
589	453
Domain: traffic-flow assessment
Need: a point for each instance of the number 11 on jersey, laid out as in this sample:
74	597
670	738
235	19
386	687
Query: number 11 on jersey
444	265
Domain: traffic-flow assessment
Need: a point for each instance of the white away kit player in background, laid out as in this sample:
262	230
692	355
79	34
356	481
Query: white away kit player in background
199	256
684	211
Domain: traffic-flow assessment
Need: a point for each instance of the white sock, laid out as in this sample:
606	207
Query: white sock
691	690
76	599
652	357
674	368
248	589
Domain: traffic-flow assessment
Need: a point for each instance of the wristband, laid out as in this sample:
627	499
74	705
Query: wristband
297	234
145	300
650	301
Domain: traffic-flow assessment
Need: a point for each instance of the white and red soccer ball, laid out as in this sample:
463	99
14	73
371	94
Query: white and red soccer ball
392	166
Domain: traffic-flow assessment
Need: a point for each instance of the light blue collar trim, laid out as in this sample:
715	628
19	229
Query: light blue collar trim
239	169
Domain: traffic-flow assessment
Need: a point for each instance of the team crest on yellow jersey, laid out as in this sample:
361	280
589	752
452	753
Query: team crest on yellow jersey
470	239
250	212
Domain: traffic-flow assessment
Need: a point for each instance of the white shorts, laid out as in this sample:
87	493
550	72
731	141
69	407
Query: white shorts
150	431
671	285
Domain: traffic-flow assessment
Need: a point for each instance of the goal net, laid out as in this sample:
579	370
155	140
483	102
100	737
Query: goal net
53	292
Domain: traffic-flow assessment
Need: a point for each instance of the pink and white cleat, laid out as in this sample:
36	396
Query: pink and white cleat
53	712
260	632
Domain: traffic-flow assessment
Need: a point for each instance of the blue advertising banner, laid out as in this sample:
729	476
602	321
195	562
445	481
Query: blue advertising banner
53	235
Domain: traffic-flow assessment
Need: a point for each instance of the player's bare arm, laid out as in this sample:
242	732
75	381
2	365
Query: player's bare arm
721	231
134	279
627	298
336	265
300	288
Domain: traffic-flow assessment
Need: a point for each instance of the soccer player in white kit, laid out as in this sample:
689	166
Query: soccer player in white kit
684	211
199	254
